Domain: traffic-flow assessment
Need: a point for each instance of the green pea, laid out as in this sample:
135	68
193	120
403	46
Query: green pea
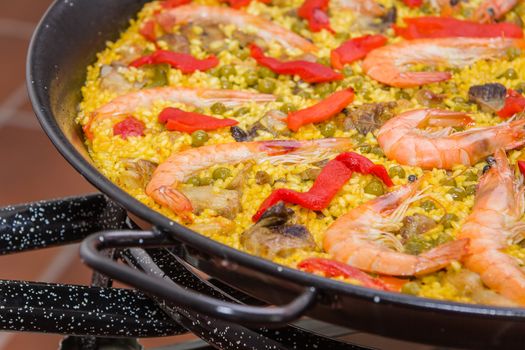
402	95
251	78
221	173
227	70
520	87
447	181
347	71
398	171
304	94
471	176
411	288
287	108
214	72
446	220
374	187
323	89
377	151
428	205
509	74
242	111
159	76
199	138
327	129
324	60
417	245
470	190
457	193
264	72
243	54
205	181
225	83
343	36
298	26
364	148
194	180
357	83
266	85
442	239
218	108
513	53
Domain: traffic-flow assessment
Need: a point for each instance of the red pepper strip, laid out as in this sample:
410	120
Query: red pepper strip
186	63
129	127
355	49
363	165
444	27
393	284
333	176
148	30
321	111
308	71
333	268
169	4
413	3
521	166
237	4
179	120
514	103
314	11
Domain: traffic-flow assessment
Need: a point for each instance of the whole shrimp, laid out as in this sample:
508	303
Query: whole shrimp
402	139
387	64
266	30
197	97
179	166
491	10
360	238
492	224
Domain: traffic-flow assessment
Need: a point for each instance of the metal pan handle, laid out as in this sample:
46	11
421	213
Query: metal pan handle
90	252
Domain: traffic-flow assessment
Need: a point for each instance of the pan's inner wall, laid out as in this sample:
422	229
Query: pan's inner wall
74	32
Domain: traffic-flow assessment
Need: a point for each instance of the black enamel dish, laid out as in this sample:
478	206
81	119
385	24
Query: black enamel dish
64	44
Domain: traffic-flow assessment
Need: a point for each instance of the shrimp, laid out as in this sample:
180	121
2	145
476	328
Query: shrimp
267	30
402	140
179	166
365	7
492	224
491	10
198	97
387	64
360	238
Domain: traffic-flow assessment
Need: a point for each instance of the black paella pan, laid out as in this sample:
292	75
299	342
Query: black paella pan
64	44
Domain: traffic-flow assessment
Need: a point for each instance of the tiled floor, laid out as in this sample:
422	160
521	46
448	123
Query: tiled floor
31	169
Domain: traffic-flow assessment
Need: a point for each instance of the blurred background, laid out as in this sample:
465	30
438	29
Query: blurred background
31	169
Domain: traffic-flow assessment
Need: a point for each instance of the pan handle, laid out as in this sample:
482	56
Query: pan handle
90	252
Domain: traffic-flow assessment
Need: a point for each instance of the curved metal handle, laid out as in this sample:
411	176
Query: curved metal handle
248	315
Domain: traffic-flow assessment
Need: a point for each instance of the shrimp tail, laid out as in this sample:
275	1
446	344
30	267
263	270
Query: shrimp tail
439	257
295	151
517	128
173	199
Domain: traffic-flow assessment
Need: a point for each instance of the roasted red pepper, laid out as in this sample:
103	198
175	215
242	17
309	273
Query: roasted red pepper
315	12
148	30
310	72
333	268
331	179
169	4
443	27
179	120
237	4
129	127
356	49
521	166
186	63
514	103
413	3
321	111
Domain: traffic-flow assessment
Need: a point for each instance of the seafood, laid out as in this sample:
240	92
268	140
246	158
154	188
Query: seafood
491	225
402	139
361	238
388	64
168	175
491	10
365	7
265	29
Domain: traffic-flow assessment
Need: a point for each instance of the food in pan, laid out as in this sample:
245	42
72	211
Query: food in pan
379	143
